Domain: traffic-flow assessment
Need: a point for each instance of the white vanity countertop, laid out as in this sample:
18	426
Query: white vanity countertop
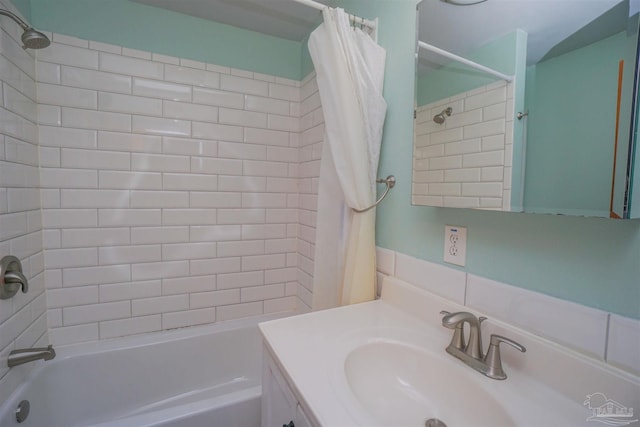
311	350
307	348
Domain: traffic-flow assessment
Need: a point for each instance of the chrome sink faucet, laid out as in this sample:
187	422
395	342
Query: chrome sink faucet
26	355
473	347
471	352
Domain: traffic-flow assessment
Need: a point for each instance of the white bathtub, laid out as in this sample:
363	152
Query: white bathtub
193	377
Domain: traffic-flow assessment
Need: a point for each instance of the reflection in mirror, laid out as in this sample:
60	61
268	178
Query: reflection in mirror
577	68
464	139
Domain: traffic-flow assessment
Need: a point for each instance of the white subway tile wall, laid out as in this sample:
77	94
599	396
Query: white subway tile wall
23	318
171	190
604	336
311	138
464	162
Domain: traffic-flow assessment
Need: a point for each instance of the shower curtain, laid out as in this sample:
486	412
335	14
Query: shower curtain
350	73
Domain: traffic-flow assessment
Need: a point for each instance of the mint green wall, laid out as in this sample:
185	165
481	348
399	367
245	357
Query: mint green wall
139	26
587	260
455	78
24	6
306	65
571	130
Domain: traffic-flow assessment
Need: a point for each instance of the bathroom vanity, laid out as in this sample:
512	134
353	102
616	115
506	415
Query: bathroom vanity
280	405
383	363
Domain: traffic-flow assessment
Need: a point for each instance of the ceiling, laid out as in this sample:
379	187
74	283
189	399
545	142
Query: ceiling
458	29
463	29
280	18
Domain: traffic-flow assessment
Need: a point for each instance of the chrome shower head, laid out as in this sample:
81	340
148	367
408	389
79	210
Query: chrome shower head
440	118
31	39
34	39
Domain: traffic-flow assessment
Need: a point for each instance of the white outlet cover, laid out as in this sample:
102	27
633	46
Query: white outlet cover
455	245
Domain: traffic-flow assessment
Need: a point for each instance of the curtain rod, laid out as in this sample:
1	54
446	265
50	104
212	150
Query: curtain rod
355	19
462	60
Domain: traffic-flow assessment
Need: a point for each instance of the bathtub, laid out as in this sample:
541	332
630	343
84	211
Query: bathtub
193	377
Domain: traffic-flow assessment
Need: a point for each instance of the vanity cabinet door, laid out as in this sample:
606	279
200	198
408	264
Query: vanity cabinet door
278	402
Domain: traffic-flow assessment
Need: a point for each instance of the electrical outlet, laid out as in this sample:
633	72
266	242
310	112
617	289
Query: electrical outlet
455	245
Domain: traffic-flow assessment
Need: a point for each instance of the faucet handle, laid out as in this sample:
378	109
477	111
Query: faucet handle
497	339
16	277
11	277
493	360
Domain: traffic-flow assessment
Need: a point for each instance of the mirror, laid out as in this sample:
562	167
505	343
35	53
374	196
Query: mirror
558	137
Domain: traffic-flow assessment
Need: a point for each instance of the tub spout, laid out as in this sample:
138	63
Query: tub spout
26	355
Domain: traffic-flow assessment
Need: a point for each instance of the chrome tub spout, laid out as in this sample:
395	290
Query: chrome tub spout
26	355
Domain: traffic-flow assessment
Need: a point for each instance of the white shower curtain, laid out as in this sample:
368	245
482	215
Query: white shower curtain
350	73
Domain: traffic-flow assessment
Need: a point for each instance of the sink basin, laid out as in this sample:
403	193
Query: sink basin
403	385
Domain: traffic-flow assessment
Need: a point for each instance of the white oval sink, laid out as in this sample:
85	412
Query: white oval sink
401	385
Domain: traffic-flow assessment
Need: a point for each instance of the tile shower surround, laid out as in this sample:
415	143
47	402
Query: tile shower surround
23	320
174	193
466	162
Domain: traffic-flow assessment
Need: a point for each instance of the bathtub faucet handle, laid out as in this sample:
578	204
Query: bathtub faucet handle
11	277
16	277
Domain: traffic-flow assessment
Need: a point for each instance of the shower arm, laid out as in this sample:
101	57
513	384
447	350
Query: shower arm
16	18
31	38
390	182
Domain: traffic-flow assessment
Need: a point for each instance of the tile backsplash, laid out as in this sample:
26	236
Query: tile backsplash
171	190
605	336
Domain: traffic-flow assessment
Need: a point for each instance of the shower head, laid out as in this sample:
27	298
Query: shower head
31	39
34	39
440	118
